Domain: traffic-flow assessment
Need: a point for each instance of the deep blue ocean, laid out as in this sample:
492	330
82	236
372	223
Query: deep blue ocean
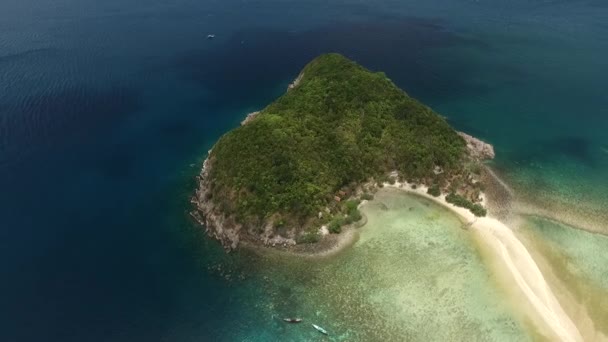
107	109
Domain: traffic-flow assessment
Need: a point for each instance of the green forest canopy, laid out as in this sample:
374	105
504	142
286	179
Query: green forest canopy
341	124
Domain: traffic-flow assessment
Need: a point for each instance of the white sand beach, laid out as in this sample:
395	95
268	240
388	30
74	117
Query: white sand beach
520	267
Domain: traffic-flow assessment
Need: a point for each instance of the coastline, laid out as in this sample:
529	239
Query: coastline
515	259
216	203
227	231
513	262
329	246
509	201
500	241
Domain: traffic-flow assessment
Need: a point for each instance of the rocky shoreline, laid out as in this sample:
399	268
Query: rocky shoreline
217	225
224	228
478	149
231	234
249	117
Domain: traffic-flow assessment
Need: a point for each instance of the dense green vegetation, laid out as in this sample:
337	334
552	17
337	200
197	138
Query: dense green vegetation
434	190
460	201
340	126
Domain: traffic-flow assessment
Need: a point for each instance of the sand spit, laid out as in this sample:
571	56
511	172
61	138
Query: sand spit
521	268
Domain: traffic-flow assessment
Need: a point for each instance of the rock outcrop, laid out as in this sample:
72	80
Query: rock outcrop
249	117
296	82
225	228
478	149
217	225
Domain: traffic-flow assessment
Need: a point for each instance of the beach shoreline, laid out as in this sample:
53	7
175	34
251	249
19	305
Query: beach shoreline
515	263
329	246
511	258
514	258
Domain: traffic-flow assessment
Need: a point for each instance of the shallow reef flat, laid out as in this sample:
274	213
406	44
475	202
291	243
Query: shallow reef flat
575	264
414	274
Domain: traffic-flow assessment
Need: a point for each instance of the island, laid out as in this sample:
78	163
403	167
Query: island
298	170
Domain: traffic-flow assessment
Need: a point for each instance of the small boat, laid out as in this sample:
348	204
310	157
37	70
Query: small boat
292	320
210	36
319	329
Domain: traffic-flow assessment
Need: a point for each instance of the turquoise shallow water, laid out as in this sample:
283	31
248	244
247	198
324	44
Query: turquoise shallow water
576	264
586	252
106	109
414	273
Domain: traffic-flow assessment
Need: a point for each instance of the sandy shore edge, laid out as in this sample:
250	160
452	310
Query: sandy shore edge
516	259
329	246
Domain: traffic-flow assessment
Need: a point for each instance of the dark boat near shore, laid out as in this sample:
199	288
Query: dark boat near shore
292	320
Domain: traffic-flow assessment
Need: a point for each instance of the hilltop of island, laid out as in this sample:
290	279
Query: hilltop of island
302	165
